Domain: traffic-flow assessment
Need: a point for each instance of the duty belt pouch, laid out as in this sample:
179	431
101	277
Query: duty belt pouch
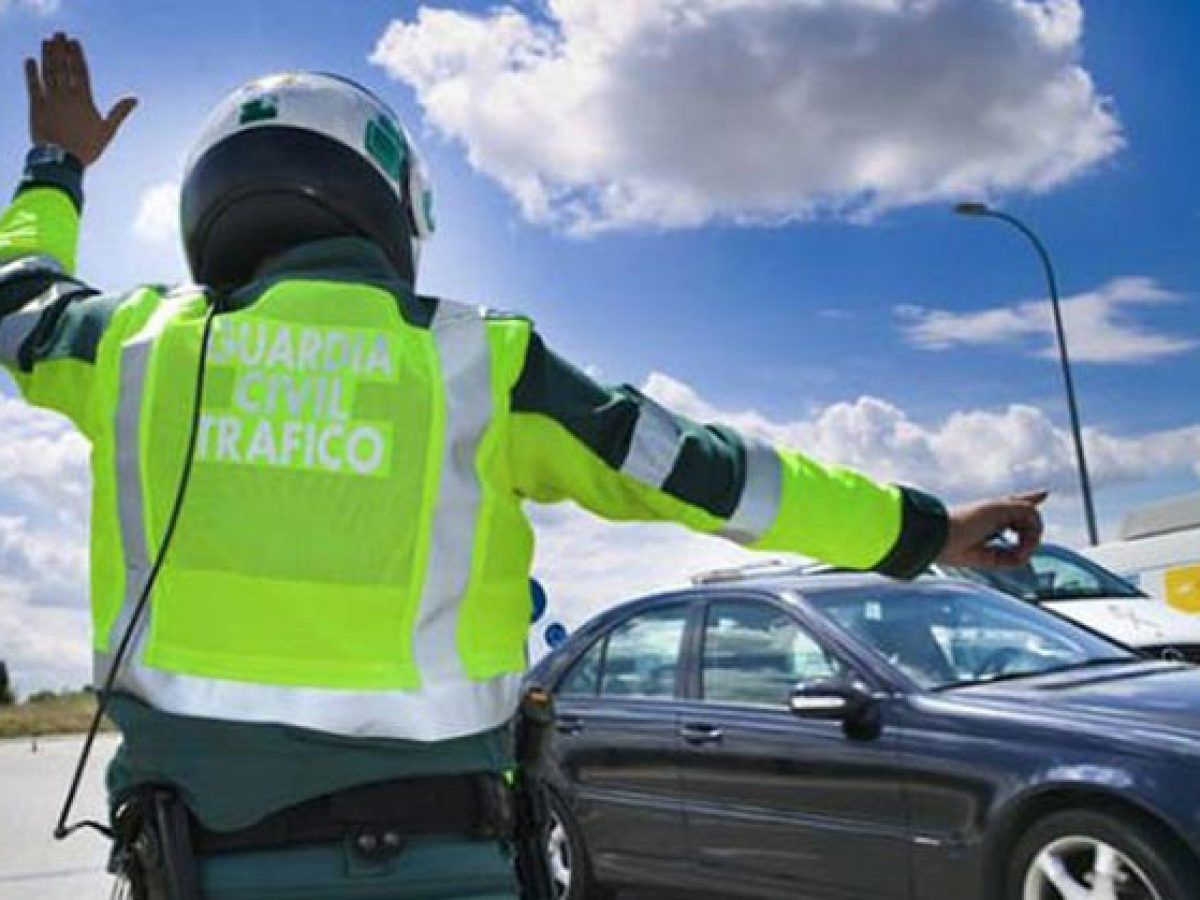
153	847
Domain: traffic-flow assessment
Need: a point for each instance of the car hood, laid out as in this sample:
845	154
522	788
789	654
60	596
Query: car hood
1136	622
1137	702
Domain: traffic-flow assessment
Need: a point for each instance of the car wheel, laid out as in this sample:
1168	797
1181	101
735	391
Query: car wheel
1077	855
570	873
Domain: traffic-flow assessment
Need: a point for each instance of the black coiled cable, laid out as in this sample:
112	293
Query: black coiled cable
62	830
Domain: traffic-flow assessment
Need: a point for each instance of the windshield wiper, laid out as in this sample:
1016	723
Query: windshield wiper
1053	670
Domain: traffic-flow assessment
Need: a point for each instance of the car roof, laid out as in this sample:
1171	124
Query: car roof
779	584
819	582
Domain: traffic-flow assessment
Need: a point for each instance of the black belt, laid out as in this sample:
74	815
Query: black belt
379	817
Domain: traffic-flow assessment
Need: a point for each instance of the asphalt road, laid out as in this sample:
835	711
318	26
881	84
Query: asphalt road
32	863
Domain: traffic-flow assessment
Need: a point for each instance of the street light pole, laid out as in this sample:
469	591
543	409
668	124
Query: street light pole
982	210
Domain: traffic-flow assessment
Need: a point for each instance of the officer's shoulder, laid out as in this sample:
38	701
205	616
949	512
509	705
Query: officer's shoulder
149	296
448	311
506	315
173	293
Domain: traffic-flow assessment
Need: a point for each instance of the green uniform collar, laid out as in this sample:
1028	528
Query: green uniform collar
345	259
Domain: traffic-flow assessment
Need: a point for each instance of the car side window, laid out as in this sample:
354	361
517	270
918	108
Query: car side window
642	659
583	678
755	653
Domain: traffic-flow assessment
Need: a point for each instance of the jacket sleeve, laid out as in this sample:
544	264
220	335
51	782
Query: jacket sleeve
50	322
623	456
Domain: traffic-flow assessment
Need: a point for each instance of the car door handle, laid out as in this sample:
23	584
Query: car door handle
701	734
568	724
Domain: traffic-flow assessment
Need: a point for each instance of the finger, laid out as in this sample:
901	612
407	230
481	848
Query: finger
119	113
54	62
77	67
33	81
49	72
1035	498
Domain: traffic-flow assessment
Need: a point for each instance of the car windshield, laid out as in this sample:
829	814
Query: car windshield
952	635
1054	573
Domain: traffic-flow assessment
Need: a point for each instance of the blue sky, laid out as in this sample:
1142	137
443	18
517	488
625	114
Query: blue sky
774	307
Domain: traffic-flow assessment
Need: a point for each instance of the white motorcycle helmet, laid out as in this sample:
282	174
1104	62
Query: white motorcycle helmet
292	158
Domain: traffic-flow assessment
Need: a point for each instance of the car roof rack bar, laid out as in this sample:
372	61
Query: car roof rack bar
737	573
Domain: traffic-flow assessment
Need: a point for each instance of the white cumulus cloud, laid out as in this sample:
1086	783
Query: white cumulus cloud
44	500
40	7
43	460
49	565
972	452
157	219
598	114
1100	324
45	647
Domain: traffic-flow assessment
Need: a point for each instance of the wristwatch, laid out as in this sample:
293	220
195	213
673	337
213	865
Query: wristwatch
49	165
48	155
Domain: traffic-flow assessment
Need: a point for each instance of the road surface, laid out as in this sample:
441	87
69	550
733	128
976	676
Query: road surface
32	863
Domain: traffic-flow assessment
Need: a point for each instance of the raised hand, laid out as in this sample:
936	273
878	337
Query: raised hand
61	108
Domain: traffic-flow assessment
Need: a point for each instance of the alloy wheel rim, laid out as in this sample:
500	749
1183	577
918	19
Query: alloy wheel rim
558	854
1086	868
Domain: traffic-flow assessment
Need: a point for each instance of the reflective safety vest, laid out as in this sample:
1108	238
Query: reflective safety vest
353	555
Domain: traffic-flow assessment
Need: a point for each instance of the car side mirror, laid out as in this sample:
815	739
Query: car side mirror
829	699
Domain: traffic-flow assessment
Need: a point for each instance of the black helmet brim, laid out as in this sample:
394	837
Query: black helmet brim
265	190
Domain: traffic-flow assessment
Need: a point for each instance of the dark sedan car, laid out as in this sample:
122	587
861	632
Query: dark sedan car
849	737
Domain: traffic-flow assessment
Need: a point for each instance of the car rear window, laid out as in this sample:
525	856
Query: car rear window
643	655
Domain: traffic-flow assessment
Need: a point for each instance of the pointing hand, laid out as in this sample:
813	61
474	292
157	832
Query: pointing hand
973	527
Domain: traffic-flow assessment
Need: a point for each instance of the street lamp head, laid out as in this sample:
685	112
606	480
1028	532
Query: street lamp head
972	209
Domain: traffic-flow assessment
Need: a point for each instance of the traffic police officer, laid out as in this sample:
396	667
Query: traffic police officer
327	666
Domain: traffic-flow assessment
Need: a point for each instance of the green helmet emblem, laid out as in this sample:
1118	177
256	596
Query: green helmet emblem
260	109
385	144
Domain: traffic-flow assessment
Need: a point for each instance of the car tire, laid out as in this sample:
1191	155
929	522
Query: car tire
1077	847
571	875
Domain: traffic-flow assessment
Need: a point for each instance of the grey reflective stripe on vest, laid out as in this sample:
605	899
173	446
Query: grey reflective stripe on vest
460	334
16	327
655	445
439	710
28	265
135	360
758	507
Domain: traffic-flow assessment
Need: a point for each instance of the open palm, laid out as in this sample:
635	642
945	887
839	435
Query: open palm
61	108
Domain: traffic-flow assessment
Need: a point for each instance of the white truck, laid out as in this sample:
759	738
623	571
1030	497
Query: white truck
1159	551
